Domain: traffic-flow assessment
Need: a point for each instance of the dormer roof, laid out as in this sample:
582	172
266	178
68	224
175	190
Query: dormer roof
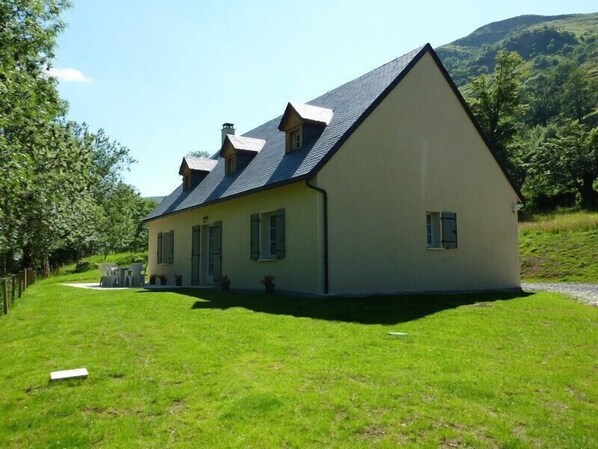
305	113
242	143
193	163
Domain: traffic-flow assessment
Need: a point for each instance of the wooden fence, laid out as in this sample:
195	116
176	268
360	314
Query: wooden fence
13	286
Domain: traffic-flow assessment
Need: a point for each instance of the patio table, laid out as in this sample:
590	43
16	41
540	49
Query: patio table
122	271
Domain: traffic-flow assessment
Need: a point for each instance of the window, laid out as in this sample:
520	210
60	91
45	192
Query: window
294	139
272	235
268	235
165	247
230	165
441	230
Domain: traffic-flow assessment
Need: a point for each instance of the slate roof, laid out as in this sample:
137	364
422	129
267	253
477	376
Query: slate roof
200	163
351	103
246	143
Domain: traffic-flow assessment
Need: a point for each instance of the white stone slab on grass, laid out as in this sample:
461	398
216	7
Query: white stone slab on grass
79	373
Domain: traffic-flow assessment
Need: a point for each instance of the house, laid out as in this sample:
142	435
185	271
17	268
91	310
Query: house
384	184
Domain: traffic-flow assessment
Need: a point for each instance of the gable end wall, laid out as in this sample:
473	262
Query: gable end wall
418	151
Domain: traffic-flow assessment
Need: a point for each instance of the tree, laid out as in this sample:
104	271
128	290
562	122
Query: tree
543	95
200	153
123	229
60	183
579	96
29	103
567	162
496	101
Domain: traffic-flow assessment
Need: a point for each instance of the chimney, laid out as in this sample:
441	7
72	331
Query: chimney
227	128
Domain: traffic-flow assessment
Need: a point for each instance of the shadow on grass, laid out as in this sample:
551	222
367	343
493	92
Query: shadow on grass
364	310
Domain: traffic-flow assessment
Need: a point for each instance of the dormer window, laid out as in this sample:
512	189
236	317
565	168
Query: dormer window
239	151
302	124
230	164
295	139
194	170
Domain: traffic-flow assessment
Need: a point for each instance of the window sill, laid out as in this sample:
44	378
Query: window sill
435	248
269	259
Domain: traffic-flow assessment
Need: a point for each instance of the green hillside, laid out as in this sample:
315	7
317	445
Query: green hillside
542	41
560	247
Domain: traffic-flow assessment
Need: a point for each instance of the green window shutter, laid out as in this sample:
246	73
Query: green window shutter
171	247
159	249
449	229
280	233
255	236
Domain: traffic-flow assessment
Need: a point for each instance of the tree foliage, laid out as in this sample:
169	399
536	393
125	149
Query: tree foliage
496	101
544	130
61	188
200	153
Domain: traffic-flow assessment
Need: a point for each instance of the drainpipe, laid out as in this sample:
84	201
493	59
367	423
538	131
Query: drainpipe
325	197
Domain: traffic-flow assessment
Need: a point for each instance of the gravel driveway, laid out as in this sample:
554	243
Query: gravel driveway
586	293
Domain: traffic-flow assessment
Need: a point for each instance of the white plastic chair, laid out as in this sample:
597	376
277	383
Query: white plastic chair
110	276
133	275
103	279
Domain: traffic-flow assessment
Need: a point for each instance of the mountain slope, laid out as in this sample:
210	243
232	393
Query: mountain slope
542	41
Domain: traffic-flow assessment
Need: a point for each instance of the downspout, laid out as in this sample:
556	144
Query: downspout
325	197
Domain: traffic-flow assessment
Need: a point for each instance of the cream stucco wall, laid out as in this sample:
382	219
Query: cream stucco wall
300	270
418	152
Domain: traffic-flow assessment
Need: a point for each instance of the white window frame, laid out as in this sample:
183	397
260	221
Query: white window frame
433	230
295	139
267	236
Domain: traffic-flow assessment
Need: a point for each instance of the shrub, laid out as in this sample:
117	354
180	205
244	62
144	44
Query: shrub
83	266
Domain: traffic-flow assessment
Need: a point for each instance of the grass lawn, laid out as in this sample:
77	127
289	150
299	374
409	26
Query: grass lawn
560	247
194	369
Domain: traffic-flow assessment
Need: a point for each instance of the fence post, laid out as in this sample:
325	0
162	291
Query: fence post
14	286
5	295
20	283
25	279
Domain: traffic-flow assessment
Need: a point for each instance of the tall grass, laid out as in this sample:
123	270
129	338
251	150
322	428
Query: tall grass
559	222
556	223
560	247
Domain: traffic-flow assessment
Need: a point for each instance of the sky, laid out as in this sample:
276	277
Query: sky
161	77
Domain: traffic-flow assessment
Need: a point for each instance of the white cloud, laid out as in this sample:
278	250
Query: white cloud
68	75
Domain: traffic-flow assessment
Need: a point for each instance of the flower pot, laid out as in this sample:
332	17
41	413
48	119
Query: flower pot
225	286
152	281
179	282
269	288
